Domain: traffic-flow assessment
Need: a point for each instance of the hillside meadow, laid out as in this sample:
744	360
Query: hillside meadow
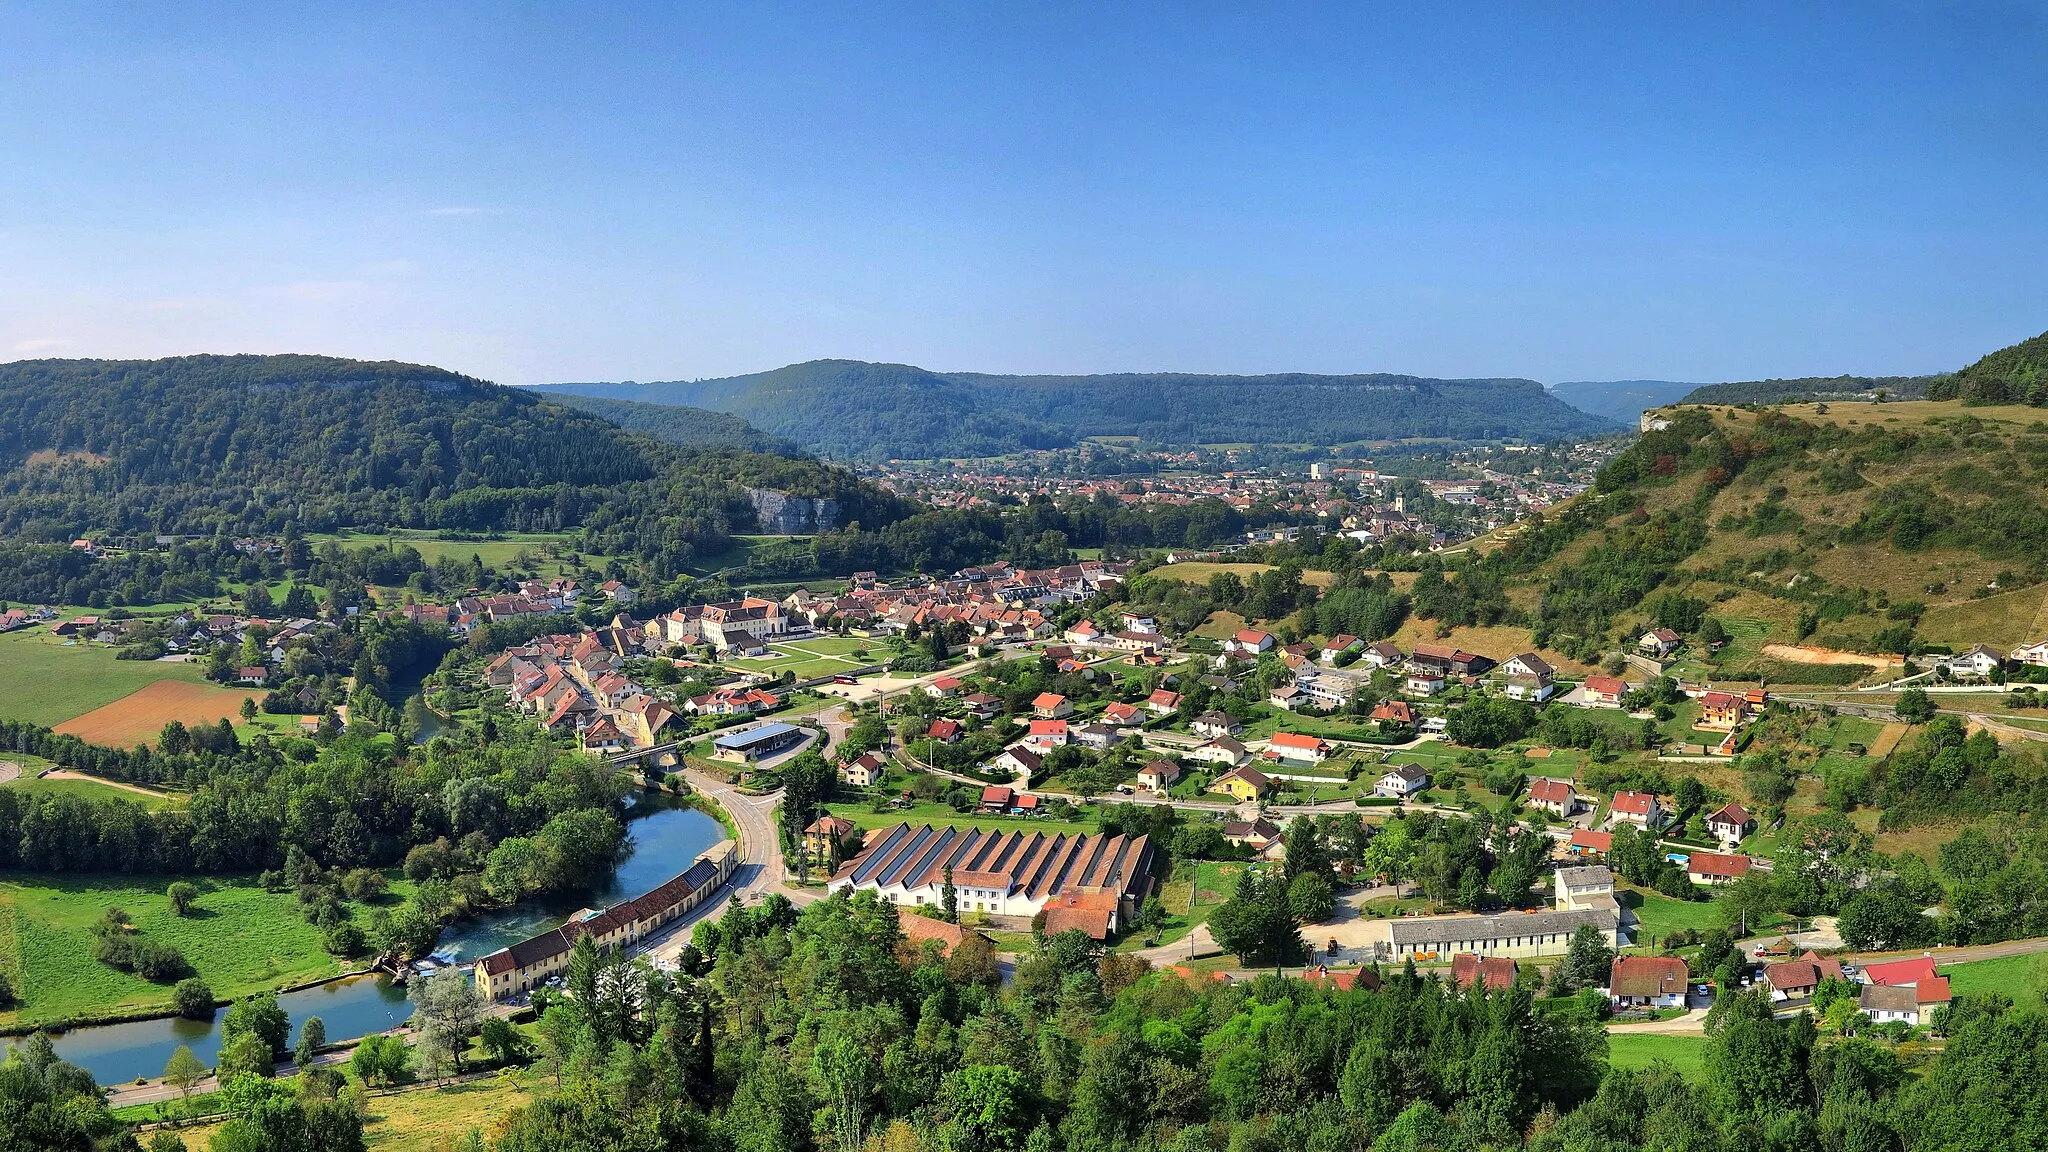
45	681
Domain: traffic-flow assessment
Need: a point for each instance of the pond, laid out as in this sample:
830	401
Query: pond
665	838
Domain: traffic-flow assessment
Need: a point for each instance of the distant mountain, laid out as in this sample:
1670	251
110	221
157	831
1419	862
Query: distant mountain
849	408
1619	400
2014	375
1809	388
681	426
207	444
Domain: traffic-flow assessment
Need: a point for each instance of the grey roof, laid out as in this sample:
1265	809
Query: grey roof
1449	929
1586	876
765	734
1879	998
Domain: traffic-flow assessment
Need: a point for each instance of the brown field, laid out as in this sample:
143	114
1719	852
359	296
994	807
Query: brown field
1888	738
137	717
1199	571
2003	620
1800	654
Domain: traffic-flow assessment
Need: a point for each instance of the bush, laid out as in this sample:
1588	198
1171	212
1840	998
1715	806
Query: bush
6	993
183	894
343	938
193	999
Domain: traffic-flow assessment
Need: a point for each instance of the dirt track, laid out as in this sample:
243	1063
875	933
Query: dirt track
1801	654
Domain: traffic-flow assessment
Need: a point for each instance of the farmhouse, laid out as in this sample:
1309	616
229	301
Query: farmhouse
1715	869
521	967
1511	934
1447	661
1010	873
1647	982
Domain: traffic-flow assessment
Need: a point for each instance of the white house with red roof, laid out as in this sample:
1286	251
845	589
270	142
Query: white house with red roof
1297	747
1051	706
1638	808
1248	643
1554	796
1730	823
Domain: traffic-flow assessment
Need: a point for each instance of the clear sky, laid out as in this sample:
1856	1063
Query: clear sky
554	192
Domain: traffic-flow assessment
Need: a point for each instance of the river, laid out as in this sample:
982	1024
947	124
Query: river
665	838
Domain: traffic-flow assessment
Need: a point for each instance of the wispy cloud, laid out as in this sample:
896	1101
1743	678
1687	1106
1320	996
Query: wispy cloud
455	210
40	344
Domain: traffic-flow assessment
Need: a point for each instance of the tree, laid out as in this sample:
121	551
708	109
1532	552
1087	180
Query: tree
258	1015
1305	850
949	898
183	1071
312	1037
447	1007
192	999
246	1054
1257	921
1588	959
1913	706
985	1109
1311	898
182	894
380	1059
500	1039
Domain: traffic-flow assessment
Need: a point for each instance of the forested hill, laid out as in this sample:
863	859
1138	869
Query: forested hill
681	426
205	444
849	408
1811	388
2015	375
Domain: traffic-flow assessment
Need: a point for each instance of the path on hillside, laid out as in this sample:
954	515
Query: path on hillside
137	789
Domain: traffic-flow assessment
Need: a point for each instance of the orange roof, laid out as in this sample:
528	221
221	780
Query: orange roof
1597	841
1895	972
1048	700
1295	740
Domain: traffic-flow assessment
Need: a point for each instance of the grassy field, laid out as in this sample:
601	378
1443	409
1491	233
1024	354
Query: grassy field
45	681
1199	571
424	1119
499	554
241	940
2003	620
808	658
944	816
2024	978
1658	916
1641	1049
88	789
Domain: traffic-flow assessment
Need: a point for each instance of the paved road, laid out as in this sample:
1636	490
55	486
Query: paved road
1960	955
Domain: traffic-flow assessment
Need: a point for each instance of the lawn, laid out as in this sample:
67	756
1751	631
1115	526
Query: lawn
933	812
2024	978
1657	915
240	940
500	553
46	681
86	789
1685	1052
1199	572
424	1119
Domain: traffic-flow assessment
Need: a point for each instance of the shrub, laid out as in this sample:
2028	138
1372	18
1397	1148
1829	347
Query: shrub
193	999
182	893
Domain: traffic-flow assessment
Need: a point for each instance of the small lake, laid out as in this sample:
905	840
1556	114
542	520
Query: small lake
665	838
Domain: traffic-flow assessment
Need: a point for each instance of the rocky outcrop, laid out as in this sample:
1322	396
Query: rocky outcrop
787	515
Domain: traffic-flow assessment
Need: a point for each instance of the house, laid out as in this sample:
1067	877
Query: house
1300	749
1714	869
1885	1004
1423	683
1535	689
1224	750
1338	645
1394	712
1721	710
823	838
1140	622
1382	655
1901	973
1051	706
1448	661
1288	696
943	688
2035	654
1006	873
1638	808
1248	643
1084	632
1162	702
1213	724
1245	785
982	706
1159	775
1797	979
1659	642
947	731
1018	759
617	592
1121	714
1508	934
1046	735
1253	834
1096	736
1584	886
997	798
1554	796
1730	823
1401	781
863	771
1494	973
515	970
753	744
1528	664
1605	691
1587	842
1978	663
917	930
1647	982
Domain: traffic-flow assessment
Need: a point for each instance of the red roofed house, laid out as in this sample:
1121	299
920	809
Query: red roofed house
863	771
1554	796
1162	702
1120	714
1721	710
1586	842
826	834
1605	690
1638	808
1051	706
1047	734
1394	712
1469	970
947	731
1900	972
1715	868
942	688
1249	642
996	798
1647	982
1730	823
918	929
1797	979
1092	911
1296	747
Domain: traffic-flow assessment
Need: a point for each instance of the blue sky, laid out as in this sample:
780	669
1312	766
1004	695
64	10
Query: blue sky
533	193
